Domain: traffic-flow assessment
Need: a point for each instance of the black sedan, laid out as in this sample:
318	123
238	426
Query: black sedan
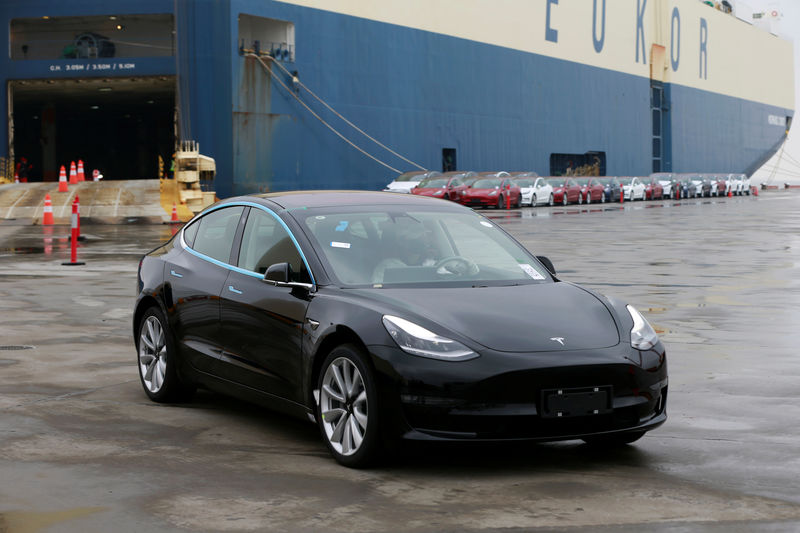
382	316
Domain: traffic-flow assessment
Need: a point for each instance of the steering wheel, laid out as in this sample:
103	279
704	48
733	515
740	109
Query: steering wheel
456	265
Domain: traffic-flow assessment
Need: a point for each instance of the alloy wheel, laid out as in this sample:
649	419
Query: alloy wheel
153	354
343	406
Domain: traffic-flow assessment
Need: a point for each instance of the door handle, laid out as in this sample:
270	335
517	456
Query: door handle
175	274
234	289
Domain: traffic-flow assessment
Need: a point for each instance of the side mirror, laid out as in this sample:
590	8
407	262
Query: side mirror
547	263
278	273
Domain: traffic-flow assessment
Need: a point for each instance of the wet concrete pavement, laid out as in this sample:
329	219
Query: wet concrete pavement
82	449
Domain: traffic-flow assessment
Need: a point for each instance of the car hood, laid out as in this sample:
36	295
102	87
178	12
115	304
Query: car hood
405	186
524	318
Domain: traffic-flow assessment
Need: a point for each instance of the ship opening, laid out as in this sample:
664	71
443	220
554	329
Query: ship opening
119	126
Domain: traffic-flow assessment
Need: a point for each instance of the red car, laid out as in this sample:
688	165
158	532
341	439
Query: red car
565	191
591	190
488	191
447	187
652	189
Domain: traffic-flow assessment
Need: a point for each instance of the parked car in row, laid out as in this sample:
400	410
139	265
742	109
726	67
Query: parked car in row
633	188
591	189
535	190
611	188
448	186
666	180
565	190
408	180
492	190
687	187
653	190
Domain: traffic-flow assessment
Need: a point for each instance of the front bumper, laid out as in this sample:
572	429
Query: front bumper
502	396
479	201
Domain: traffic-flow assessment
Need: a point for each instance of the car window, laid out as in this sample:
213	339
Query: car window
190	231
409	247
266	242
215	233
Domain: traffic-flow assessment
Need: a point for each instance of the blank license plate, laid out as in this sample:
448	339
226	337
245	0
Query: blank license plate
588	401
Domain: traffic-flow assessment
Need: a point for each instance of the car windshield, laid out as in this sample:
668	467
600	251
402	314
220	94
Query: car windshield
391	246
604	181
486	184
433	183
409	176
556	182
524	182
625	181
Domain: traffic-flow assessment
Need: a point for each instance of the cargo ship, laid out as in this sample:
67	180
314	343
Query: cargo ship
322	94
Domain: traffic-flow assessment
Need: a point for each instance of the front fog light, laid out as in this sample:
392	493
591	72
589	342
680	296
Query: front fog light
417	340
643	336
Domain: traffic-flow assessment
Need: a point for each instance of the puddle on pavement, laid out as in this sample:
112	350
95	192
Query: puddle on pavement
25	250
32	522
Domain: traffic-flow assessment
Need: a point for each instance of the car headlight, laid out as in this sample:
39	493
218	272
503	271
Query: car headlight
643	336
417	340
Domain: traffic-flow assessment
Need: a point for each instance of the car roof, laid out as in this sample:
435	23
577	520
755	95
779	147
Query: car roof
329	198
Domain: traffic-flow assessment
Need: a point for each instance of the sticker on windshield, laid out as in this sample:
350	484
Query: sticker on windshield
487	224
342	225
532	272
335	244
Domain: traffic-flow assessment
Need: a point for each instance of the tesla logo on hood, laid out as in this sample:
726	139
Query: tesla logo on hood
559	340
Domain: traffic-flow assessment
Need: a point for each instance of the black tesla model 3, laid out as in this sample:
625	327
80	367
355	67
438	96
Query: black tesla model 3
385	316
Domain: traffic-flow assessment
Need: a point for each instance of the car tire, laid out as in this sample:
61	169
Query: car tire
603	198
551	202
348	419
518	203
580	198
500	203
617	439
157	360
446	197
564	200
588	198
534	201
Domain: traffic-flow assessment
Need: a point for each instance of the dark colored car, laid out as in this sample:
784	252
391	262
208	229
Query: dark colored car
565	191
686	187
611	188
653	190
492	191
384	316
591	189
445	187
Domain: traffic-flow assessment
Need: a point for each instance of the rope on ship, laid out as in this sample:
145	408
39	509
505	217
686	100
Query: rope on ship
338	134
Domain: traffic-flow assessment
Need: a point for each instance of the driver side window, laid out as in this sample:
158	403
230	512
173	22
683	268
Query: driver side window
266	242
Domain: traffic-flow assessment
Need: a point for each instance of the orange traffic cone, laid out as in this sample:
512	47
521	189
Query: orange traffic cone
755	191
62	180
73	173
174	218
47	218
81	176
730	192
16	177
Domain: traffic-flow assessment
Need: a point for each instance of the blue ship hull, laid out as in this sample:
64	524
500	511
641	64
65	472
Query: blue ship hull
419	92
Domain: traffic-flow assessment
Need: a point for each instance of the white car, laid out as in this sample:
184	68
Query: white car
535	190
408	180
744	179
733	183
632	188
665	180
